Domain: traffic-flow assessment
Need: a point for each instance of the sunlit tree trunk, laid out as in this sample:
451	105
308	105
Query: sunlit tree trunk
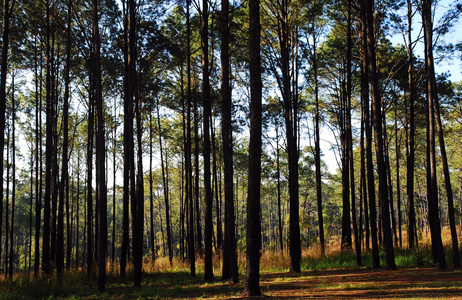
410	150
432	192
368	131
379	144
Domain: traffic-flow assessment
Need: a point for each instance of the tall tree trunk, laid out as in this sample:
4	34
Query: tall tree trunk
350	145
136	188
216	189
432	192
368	130
447	182
278	175
13	191
65	160
230	270
410	150
317	150
390	186
128	156
7	196
252	277
4	72
100	153
207	102
151	188
379	145
165	186
196	178
189	188
38	157
89	222
291	132
46	266
398	186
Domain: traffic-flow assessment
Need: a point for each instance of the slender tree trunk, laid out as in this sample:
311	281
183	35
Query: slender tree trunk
230	270
38	187
128	156
398	186
317	150
165	185
191	252
13	191
357	239
410	153
278	175
379	145
432	192
4	72
7	196
46	266
207	102
219	241
252	277
100	153
196	178
89	222
368	129
114	169
151	188
65	160
447	181
291	132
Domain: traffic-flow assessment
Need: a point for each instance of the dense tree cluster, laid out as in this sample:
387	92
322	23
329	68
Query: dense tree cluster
133	130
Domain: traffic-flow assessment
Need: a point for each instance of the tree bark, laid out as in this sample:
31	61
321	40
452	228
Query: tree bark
189	188
230	269
379	145
410	151
368	131
206	101
252	277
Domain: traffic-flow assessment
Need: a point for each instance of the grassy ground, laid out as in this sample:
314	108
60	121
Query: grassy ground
335	276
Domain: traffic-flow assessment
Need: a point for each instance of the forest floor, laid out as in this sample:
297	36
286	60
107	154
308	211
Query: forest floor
405	283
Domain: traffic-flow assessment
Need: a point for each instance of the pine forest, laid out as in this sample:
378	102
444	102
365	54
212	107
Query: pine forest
209	135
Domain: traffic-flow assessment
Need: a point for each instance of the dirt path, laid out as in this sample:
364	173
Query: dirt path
366	284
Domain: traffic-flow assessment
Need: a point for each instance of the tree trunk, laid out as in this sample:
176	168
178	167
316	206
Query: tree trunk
165	186
291	132
189	188
379	145
207	102
447	181
432	192
252	277
65	160
13	192
350	145
317	154
278	174
368	130
230	269
100	153
128	156
38	157
4	72
410	151
46	266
